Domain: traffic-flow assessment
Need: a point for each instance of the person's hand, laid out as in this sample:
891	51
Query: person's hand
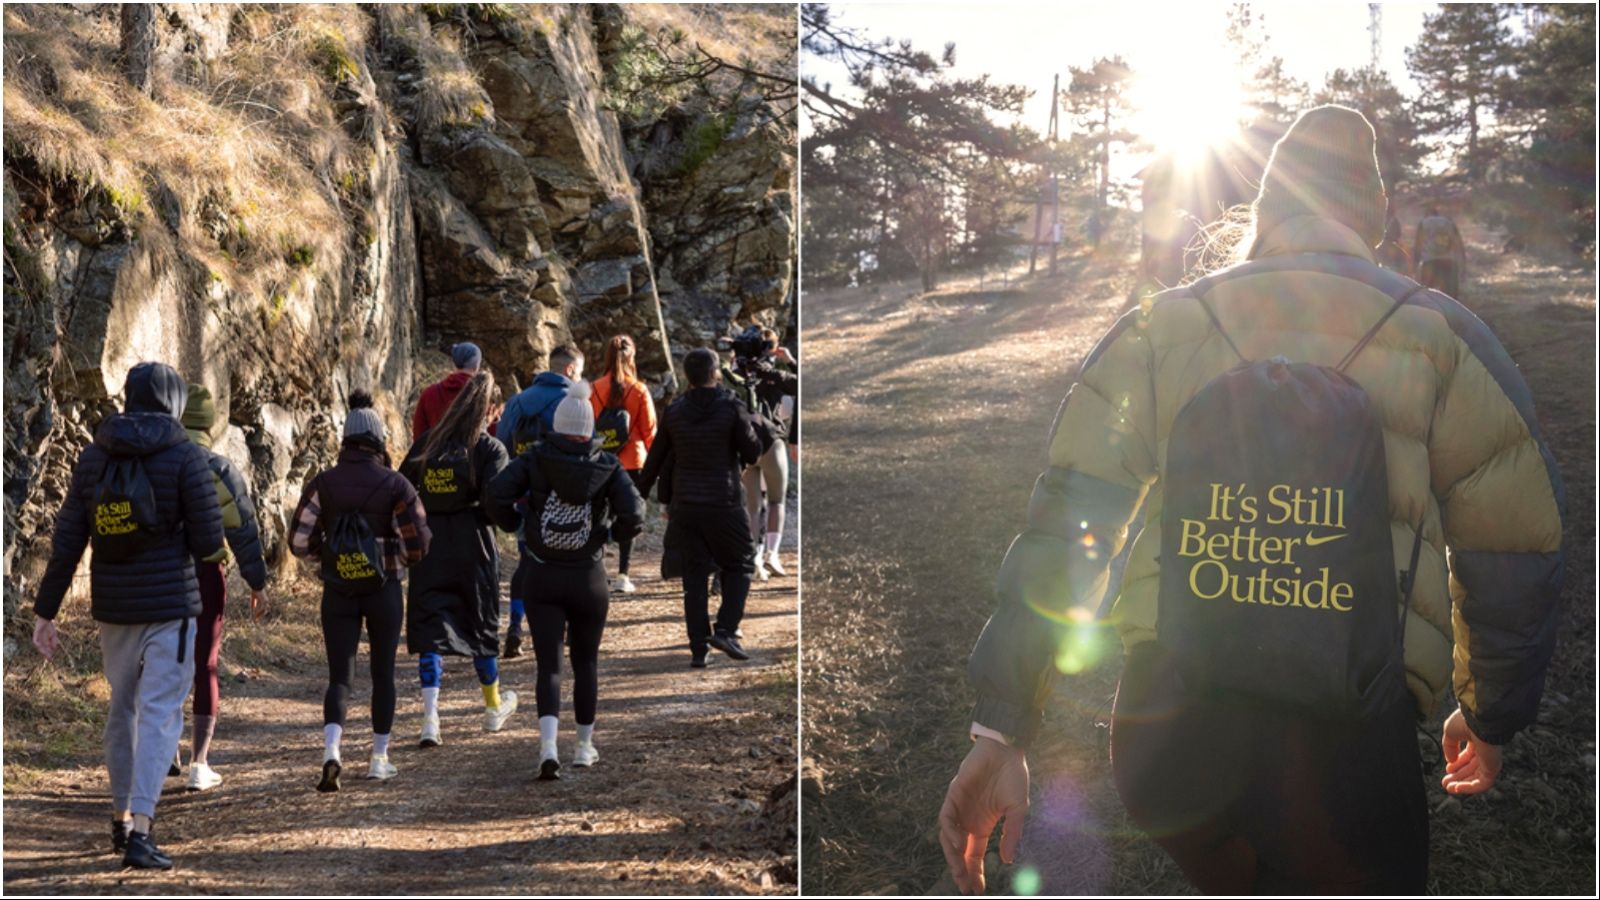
1471	769
992	783
46	639
258	604
783	354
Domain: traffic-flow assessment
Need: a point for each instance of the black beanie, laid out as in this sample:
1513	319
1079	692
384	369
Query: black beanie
1325	165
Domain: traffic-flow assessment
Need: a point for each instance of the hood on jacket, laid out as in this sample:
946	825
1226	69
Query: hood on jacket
456	380
578	469
701	403
153	387
139	433
551	380
200	414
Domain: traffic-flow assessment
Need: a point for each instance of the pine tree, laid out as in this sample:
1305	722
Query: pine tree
1461	62
1098	100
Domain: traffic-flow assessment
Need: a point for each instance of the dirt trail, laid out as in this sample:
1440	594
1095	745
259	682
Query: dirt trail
928	416
679	802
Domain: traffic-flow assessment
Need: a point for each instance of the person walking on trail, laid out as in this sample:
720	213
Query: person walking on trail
142	494
706	440
1391	254
1439	253
625	422
765	377
526	416
454	603
1311	434
244	539
366	524
437	397
574	495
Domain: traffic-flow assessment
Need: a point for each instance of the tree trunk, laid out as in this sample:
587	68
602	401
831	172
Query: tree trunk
138	44
1474	164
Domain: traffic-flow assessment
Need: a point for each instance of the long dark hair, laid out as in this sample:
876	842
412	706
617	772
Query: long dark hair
620	363
465	419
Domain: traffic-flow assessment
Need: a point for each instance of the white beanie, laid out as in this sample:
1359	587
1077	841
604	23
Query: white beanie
574	415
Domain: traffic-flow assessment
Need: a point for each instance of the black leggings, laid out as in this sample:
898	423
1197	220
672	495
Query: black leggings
625	545
384	611
574	600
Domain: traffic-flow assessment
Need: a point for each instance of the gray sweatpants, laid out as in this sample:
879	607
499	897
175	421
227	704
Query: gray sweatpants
773	469
148	688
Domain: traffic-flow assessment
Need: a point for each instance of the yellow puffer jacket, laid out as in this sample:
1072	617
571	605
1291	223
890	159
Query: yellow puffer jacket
1484	484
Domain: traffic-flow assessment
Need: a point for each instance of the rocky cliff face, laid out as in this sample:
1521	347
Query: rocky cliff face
475	188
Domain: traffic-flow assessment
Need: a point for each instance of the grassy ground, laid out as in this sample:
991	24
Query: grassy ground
694	793
928	415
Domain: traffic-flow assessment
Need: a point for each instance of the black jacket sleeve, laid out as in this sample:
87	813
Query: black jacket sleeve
504	490
202	514
746	440
626	505
491	460
657	463
70	538
245	540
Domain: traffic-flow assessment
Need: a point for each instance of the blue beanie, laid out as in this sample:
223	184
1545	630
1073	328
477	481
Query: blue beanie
466	355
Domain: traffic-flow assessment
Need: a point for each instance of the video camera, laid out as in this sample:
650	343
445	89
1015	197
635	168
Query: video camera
748	346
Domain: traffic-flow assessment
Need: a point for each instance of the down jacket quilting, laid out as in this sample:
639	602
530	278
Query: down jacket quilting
1464	455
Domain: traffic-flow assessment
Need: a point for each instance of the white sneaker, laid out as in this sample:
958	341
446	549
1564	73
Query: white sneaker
495	719
776	567
202	778
760	573
624	585
380	768
586	754
430	732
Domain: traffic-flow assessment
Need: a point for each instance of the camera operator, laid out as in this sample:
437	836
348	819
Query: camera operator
762	377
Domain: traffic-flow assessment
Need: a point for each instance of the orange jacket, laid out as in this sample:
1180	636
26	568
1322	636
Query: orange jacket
641	419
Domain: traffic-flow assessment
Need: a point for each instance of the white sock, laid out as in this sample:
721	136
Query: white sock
430	702
330	741
586	734
547	736
380	744
772	543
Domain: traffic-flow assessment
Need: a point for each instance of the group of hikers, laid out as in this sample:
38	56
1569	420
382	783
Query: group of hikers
1349	511
1437	256
566	466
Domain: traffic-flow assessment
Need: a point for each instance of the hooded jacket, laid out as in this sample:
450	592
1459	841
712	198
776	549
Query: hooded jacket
233	497
159	583
1464	455
710	439
579	473
539	399
435	399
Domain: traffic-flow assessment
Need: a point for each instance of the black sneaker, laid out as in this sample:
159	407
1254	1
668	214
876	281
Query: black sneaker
330	777
729	644
119	835
550	770
513	646
698	661
142	853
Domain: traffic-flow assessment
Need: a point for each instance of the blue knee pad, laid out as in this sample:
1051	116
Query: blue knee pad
431	667
488	669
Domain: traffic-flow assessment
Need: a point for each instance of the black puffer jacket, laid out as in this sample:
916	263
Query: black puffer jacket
578	473
711	439
159	583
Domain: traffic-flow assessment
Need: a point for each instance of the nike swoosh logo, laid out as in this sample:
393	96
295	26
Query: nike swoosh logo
1312	540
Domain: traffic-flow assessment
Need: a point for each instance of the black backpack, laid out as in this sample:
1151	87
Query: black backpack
613	425
447	481
351	559
1278	577
125	520
531	428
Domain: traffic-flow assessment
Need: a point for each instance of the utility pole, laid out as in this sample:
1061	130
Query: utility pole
1055	188
1375	29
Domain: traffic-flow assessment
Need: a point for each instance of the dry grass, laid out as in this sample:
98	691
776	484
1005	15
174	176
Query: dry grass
250	145
755	35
